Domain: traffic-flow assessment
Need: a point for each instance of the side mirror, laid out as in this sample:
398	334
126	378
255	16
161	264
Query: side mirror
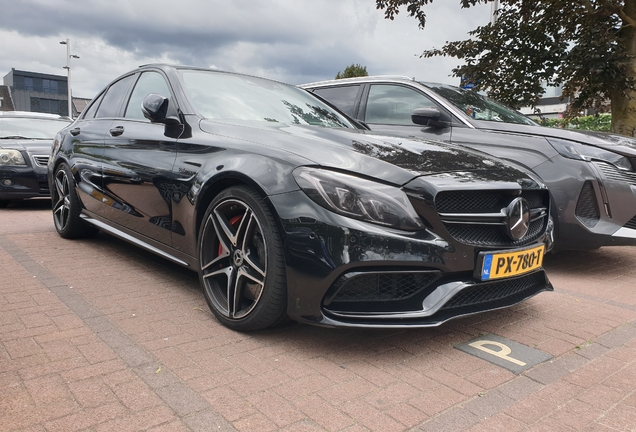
430	116
155	109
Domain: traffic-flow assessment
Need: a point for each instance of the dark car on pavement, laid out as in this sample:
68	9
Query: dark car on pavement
287	209
25	147
591	175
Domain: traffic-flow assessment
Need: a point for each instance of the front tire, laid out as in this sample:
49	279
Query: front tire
67	207
242	261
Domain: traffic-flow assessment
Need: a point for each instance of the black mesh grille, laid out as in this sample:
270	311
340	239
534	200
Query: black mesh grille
482	201
476	233
372	287
492	235
467	201
587	206
495	291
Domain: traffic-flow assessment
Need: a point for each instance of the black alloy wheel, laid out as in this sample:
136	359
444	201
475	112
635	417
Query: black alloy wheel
242	262
66	206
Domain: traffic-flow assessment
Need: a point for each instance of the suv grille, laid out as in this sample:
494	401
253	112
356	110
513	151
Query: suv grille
610	172
474	230
631	224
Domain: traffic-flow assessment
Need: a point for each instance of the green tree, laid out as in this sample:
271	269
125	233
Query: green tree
354	70
587	46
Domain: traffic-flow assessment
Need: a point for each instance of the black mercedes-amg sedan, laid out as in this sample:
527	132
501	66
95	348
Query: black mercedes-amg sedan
288	209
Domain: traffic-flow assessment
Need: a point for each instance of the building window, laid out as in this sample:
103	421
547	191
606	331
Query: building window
51	106
28	83
49	86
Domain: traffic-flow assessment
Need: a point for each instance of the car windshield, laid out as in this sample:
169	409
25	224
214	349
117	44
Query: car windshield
478	106
29	128
218	95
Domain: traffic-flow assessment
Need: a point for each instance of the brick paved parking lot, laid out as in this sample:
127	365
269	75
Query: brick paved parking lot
96	335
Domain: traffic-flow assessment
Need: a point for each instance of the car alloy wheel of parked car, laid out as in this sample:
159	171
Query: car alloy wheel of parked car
66	206
289	210
591	175
242	261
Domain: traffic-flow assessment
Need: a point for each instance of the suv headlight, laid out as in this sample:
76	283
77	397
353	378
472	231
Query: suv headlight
11	157
574	150
359	198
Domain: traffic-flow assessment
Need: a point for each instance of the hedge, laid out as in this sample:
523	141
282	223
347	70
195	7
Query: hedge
600	122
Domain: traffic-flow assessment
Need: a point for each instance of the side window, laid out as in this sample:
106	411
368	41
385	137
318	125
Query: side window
392	104
149	82
342	97
112	100
90	112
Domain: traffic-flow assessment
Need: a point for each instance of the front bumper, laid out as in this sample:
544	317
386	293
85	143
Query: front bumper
596	208
23	182
342	272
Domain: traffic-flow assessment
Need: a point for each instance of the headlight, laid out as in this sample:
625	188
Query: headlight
11	157
358	198
574	150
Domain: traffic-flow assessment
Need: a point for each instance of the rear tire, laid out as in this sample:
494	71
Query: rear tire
242	262
67	207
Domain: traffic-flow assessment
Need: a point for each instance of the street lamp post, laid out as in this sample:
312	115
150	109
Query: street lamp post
494	7
67	42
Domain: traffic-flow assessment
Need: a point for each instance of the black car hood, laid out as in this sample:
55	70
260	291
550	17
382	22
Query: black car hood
608	141
392	159
30	145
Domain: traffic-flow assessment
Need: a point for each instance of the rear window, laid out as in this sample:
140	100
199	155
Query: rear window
342	97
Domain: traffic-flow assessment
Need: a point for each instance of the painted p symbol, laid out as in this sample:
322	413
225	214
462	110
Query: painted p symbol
503	353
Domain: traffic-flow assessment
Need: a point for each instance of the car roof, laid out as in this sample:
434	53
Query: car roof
168	66
357	80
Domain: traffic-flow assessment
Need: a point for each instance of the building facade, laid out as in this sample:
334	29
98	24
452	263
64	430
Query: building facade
37	92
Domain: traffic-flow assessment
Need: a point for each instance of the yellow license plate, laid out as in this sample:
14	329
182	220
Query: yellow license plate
499	265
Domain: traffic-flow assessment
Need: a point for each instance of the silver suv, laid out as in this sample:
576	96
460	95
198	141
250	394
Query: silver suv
591	175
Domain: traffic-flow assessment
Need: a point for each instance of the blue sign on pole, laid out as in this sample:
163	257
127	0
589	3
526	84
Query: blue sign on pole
467	83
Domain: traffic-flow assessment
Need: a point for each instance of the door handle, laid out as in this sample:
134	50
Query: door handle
75	131
116	131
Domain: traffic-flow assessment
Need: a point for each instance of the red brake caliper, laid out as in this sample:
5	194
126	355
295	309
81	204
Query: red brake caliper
234	222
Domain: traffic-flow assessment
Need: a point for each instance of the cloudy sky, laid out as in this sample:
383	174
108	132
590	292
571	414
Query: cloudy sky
295	41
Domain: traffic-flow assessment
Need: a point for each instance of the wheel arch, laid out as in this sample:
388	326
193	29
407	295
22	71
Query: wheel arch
216	185
56	164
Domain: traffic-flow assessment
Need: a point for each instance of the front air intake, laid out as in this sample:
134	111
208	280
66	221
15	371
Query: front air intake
587	206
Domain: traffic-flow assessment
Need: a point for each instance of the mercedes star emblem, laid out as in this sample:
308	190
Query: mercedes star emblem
517	218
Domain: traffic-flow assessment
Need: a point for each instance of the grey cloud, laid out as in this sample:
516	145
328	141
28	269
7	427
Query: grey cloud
290	40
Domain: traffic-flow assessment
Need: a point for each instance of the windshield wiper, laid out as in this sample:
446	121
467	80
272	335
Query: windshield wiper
14	137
